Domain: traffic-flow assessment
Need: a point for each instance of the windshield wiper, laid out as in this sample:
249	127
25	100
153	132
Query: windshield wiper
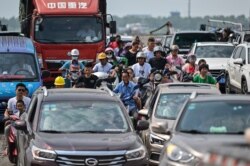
48	40
78	41
194	132
51	131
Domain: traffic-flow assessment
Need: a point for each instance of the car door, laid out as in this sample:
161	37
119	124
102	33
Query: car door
231	67
24	137
239	68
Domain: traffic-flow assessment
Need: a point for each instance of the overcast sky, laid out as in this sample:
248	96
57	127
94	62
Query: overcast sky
201	8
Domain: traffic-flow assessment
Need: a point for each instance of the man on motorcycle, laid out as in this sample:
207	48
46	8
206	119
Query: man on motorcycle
103	65
74	64
87	78
128	94
174	59
142	68
158	61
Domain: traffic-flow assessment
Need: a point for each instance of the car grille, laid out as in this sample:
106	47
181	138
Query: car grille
69	160
215	73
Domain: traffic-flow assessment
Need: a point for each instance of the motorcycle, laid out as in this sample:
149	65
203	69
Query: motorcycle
11	139
71	77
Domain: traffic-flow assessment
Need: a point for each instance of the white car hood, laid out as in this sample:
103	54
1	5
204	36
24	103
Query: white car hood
216	63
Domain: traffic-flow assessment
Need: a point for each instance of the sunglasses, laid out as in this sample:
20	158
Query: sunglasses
21	90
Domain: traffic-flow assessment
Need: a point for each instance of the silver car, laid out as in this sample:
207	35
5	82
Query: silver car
206	122
162	110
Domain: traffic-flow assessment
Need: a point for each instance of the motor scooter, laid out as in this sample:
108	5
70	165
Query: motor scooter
71	77
11	139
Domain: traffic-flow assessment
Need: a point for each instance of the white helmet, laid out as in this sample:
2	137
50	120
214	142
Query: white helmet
74	52
158	49
141	55
174	47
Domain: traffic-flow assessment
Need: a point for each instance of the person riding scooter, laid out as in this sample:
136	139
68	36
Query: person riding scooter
73	68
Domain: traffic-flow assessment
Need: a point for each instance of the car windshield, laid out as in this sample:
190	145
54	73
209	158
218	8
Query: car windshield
185	40
18	66
215	117
214	51
82	116
169	105
68	29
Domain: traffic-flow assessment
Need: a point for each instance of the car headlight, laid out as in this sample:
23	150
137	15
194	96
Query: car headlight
154	139
43	154
177	154
136	154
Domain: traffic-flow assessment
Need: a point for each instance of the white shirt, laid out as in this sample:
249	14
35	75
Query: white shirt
100	68
142	71
83	33
148	53
12	104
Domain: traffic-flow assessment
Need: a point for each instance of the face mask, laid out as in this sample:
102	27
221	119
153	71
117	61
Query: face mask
74	57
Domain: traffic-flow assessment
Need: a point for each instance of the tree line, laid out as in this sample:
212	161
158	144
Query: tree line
151	23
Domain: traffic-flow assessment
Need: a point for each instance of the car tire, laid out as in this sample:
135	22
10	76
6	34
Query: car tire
228	88
244	88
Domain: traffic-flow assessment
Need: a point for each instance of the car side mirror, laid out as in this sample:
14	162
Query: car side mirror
142	125
20	125
160	127
238	61
45	74
143	112
112	26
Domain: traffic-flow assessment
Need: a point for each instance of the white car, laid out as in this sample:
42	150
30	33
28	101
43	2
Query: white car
238	70
216	55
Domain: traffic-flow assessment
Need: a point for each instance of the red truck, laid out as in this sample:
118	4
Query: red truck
55	27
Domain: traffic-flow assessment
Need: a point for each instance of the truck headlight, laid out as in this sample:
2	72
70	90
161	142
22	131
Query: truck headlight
136	154
154	139
43	154
177	154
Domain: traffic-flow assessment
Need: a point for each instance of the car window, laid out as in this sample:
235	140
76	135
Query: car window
185	40
214	51
32	110
218	117
237	53
82	116
169	105
152	102
248	56
243	55
247	38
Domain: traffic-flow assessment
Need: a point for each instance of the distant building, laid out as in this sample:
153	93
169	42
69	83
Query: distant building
175	14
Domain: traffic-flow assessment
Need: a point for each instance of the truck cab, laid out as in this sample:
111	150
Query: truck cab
56	27
18	63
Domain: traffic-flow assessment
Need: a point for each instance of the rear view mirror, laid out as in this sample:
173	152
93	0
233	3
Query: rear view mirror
142	125
238	61
20	125
45	74
112	26
160	127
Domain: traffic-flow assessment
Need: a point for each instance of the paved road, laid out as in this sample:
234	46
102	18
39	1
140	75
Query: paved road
4	161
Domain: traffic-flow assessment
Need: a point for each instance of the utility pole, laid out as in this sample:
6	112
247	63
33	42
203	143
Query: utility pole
189	8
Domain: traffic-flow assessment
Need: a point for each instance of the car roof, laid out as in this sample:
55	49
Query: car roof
214	44
188	88
244	44
221	97
16	44
61	94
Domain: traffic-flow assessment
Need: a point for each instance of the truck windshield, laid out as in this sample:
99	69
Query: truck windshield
18	66
69	29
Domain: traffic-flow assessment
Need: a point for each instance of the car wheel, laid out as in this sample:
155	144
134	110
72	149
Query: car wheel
228	85
244	88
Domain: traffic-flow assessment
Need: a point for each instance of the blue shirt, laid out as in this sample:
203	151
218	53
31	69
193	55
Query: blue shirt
67	64
127	92
100	68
